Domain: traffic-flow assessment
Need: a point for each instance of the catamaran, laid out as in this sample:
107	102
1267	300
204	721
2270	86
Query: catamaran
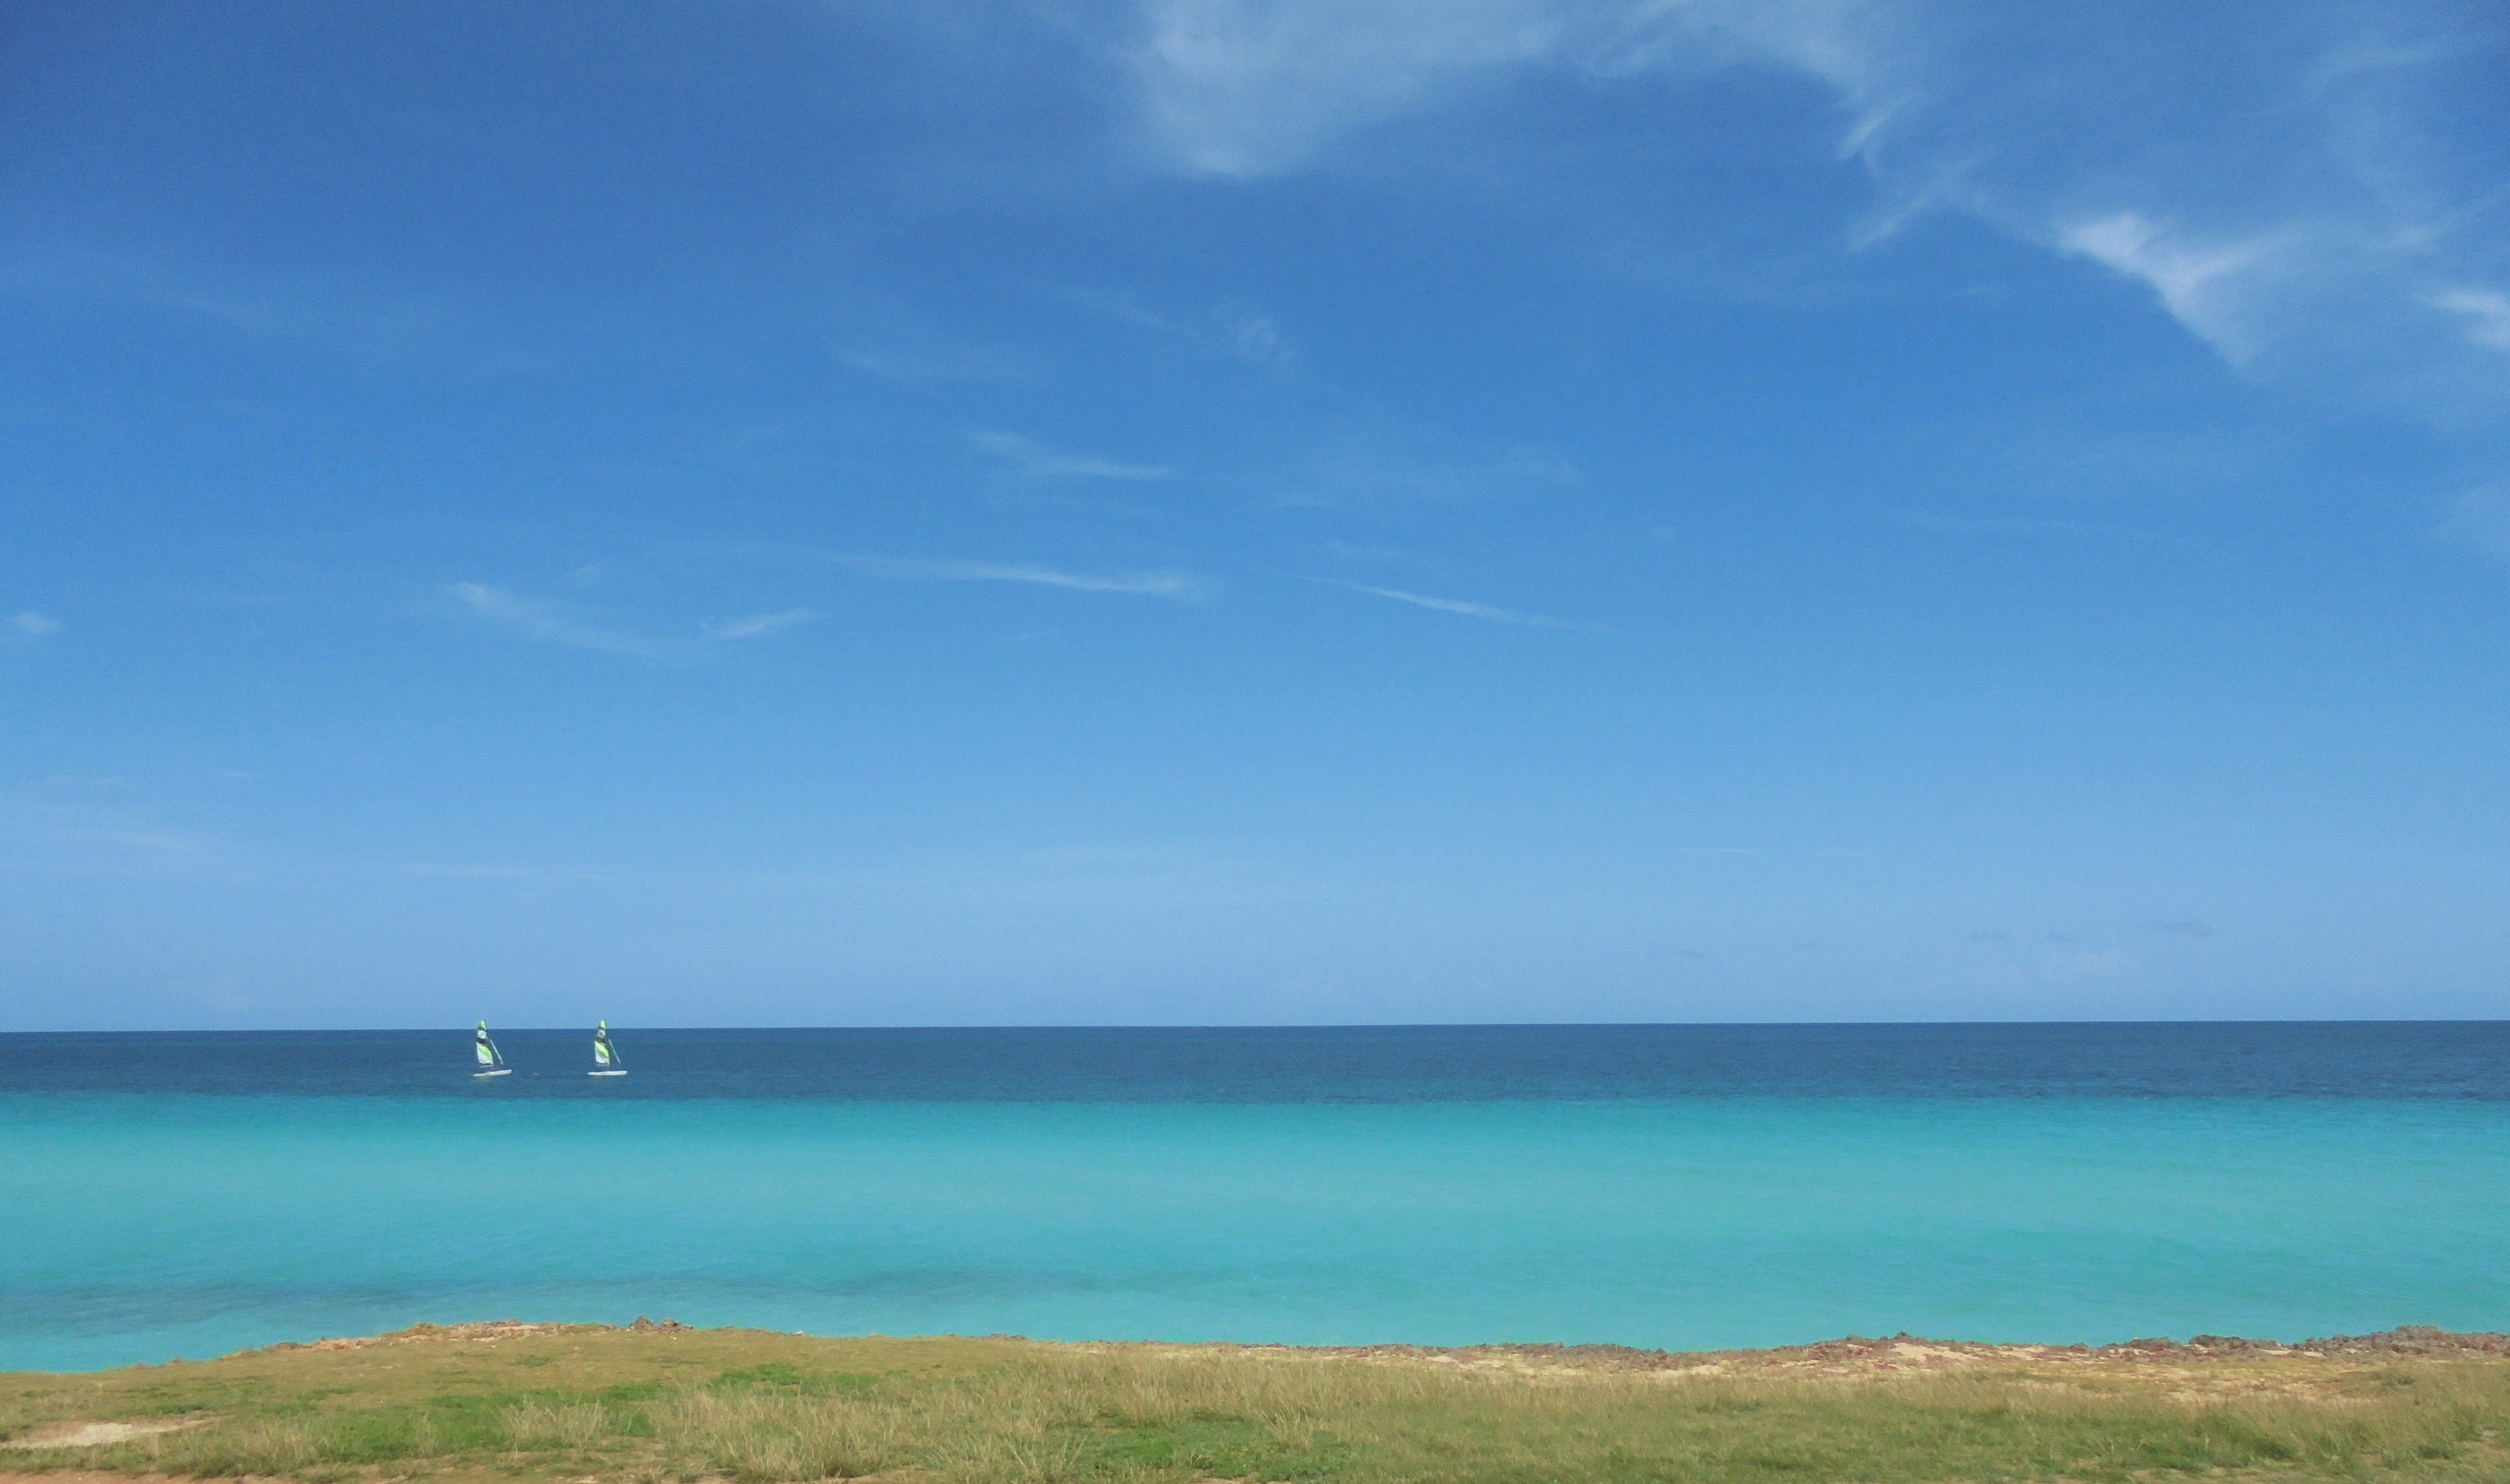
604	1054
492	1064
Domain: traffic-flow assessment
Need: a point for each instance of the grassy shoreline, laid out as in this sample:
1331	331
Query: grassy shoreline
658	1404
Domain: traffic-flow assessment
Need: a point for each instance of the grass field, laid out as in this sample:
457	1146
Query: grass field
586	1402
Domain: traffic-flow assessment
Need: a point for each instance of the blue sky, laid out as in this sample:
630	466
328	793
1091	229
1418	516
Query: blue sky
1198	511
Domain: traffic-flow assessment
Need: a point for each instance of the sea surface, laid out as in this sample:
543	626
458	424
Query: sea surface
1686	1187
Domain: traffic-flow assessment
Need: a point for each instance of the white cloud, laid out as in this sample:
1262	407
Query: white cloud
1236	326
912	363
895	341
762	624
2004	525
2297	184
96	827
1251	334
549	625
1242	88
341	315
1038	461
2199	284
1166	584
488	871
2486	312
1457	606
29	626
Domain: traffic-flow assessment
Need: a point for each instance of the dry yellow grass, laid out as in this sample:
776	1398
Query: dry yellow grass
521	1401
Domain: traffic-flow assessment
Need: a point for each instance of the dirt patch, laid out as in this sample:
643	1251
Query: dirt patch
429	1334
487	1331
98	1434
2207	1360
97	1476
2213	1358
1857	1353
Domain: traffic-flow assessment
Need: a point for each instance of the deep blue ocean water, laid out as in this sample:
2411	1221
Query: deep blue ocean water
1686	1187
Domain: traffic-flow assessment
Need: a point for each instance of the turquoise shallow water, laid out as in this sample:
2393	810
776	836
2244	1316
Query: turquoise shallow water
142	1226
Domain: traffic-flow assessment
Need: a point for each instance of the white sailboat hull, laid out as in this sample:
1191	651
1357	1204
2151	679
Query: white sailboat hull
622	1072
499	1072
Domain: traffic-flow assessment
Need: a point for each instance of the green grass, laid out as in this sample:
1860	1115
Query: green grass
762	1409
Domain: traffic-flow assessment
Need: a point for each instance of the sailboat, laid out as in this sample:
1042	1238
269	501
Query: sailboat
604	1055
492	1064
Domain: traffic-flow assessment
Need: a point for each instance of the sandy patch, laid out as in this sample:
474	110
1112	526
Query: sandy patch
97	1476
2205	1368
491	1330
485	1332
98	1434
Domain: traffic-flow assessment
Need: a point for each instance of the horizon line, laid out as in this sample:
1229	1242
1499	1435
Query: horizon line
1333	1025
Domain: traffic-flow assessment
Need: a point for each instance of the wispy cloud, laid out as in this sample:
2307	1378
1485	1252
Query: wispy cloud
1251	334
2307	207
2485	311
1364	552
1244	90
340	315
895	341
549	624
1186	586
2197	283
2007	525
1457	606
530	875
759	625
1036	460
1236	327
91	826
1167	583
553	624
910	362
29	626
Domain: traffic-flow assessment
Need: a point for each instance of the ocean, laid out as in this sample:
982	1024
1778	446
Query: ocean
1687	1187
